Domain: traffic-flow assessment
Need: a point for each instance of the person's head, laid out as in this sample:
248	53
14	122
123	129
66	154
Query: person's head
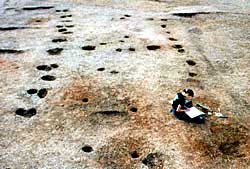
188	94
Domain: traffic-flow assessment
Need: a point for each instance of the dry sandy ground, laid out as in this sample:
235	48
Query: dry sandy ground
86	84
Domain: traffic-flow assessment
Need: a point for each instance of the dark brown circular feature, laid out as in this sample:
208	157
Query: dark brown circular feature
118	50
54	65
163	26
134	154
114	72
126	36
48	78
101	69
172	39
103	43
32	91
65	16
59	26
89	47
43	67
87	149
133	109
31	112
42	93
177	46
85	100
191	62
26	113
131	49
20	111
153	47
58	40
55	51
62	30
126	15
181	50
192	74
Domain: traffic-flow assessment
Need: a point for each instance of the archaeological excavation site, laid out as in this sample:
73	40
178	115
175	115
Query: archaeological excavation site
88	84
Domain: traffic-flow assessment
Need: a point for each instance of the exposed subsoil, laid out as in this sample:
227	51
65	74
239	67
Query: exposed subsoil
87	84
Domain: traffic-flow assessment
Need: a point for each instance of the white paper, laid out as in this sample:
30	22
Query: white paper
193	112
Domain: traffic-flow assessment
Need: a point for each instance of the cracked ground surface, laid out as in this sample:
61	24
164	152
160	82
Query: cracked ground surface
86	84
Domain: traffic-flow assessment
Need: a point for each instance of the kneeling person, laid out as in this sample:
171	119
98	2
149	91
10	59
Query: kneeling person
182	102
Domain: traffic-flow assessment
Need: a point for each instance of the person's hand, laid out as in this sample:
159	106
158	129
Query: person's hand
187	109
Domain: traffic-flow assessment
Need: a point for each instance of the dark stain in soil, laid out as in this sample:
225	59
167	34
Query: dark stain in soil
189	15
114	72
55	51
62	30
181	50
192	74
57	40
131	49
65	16
54	65
26	113
59	26
29	8
133	109
48	78
172	39
43	67
87	149
191	62
176	46
10	51
154	160
134	154
10	28
153	47
85	100
126	15
42	93
32	91
88	48
118	50
111	113
101	69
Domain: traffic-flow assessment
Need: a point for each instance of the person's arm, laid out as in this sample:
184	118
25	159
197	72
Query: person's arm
179	109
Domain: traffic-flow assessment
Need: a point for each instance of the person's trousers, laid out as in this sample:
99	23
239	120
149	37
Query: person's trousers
183	116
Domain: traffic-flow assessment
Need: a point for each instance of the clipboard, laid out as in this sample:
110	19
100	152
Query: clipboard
194	112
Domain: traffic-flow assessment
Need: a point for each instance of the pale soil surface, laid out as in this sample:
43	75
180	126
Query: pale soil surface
102	73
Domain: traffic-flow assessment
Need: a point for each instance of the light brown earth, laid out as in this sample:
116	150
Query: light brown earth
121	112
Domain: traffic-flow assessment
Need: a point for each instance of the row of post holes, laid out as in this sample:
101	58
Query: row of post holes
134	154
41	93
149	47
